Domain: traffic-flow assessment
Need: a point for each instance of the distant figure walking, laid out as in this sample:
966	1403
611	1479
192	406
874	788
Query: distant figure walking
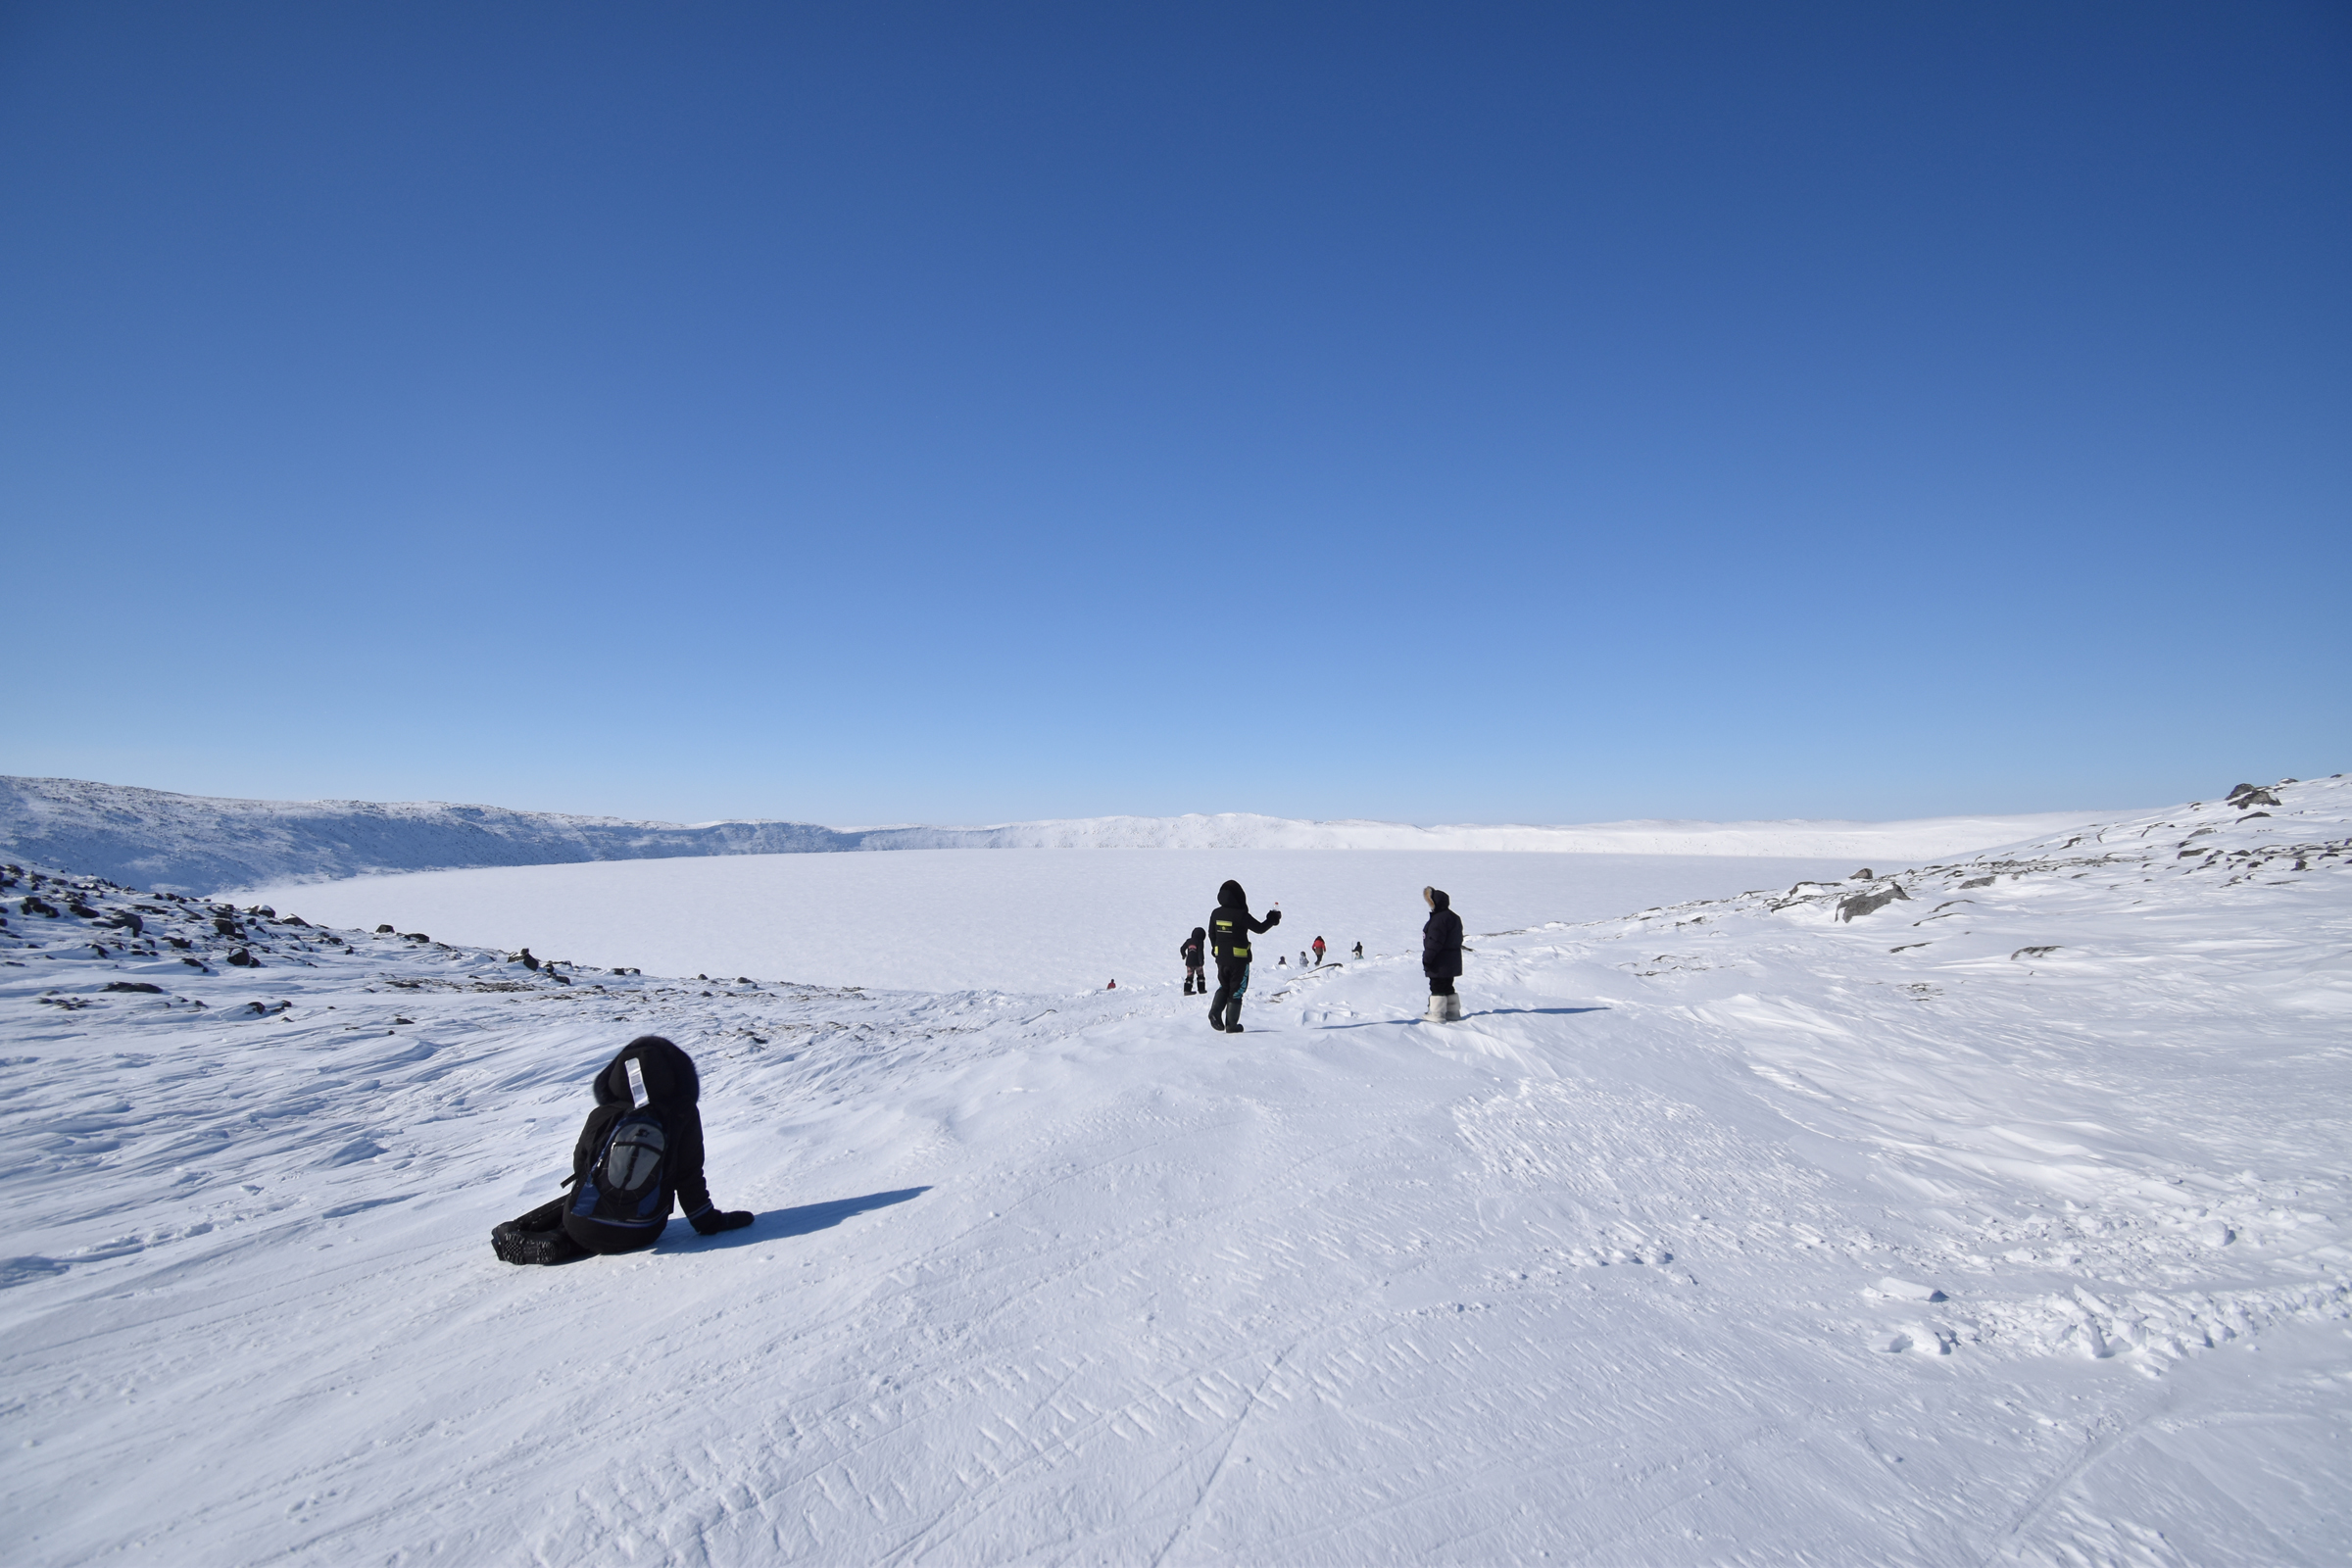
1359	950
1229	929
1190	953
1318	951
1113	986
1442	955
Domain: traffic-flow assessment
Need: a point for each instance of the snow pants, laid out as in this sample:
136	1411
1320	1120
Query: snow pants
599	1236
1441	985
1233	979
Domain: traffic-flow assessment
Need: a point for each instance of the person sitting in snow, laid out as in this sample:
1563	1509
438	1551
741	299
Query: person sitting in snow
1229	929
639	1155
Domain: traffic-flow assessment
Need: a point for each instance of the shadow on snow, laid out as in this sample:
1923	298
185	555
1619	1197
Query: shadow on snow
778	1223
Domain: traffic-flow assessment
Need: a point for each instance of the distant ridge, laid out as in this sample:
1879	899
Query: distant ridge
199	844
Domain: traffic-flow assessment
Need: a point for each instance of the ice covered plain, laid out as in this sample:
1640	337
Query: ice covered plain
1991	1211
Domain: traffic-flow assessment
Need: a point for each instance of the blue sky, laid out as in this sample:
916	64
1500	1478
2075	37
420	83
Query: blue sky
884	413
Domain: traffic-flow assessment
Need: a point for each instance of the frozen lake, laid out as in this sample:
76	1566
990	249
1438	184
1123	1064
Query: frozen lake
1052	920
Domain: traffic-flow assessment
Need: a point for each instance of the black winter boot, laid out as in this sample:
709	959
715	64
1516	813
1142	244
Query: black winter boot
1233	1017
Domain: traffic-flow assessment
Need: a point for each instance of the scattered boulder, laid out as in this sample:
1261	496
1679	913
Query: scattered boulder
414	936
2246	794
1978	882
243	959
181	942
2036	953
134	984
193	964
526	959
1856	904
383	930
1866	874
35	903
226	926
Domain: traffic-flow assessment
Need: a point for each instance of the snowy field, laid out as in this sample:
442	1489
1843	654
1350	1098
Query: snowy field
2005	1221
1042	920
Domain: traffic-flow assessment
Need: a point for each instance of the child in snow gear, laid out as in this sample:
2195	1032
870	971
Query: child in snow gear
1190	953
634	1159
1359	950
1229	929
1442	955
1318	952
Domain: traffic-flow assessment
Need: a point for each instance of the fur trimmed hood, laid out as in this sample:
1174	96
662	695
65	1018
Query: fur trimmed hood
669	1073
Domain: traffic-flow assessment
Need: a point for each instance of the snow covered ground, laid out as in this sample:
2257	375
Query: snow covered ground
2003	1221
1043	920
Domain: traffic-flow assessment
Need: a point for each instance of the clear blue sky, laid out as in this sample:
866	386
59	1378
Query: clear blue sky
873	413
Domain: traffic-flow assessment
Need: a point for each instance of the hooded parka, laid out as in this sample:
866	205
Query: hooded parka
672	1091
1441	936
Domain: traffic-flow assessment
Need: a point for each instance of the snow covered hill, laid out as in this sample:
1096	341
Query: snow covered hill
1992	1212
197	843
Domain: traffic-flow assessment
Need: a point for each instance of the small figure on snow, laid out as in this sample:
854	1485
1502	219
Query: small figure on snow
639	1154
1282	961
1192	952
1229	927
1442	955
1318	952
1113	986
1359	950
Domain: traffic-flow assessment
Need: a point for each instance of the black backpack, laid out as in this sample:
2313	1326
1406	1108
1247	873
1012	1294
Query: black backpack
623	1184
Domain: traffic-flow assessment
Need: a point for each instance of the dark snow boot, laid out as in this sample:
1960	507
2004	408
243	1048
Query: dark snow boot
1233	1017
538	1237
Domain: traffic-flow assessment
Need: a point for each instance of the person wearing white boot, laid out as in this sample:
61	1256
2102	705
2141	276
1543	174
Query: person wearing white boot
1442	955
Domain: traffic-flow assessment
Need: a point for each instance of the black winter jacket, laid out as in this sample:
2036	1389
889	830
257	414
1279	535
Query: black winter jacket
1230	924
1189	952
1442	936
672	1089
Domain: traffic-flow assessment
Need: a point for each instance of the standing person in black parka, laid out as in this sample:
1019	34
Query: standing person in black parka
1442	955
1229	929
1194	946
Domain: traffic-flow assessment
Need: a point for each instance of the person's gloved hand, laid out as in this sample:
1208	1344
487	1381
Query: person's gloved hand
712	1221
1274	918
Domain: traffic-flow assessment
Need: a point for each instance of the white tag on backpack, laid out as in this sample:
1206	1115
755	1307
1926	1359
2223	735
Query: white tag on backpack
637	1094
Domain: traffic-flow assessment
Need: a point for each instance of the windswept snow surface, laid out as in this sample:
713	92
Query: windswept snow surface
1048	920
198	843
2004	1221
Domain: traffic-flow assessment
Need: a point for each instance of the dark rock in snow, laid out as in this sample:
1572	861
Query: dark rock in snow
383	930
1866	874
243	959
2035	953
134	984
1856	904
1976	882
35	903
526	959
